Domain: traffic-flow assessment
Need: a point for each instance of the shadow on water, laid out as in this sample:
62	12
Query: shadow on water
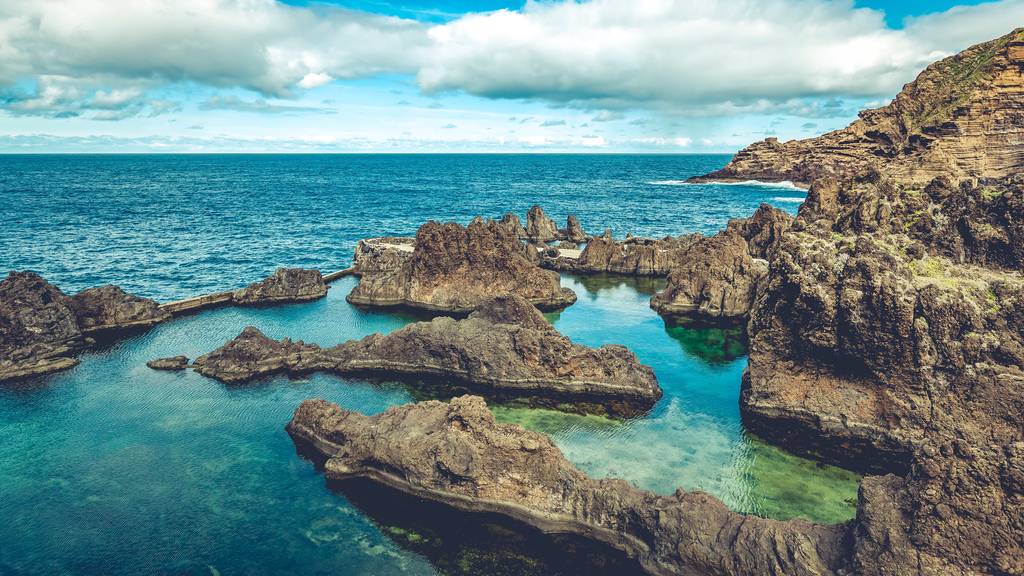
472	543
714	345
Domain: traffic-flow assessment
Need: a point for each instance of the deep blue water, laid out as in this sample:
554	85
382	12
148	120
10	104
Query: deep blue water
112	468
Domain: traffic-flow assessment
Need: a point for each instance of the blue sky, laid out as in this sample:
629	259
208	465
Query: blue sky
669	76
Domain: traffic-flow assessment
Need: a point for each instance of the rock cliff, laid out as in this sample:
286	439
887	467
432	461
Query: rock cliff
454	269
962	119
505	347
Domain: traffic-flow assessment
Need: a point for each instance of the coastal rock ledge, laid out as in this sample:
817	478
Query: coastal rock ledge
505	347
457	454
454	269
284	285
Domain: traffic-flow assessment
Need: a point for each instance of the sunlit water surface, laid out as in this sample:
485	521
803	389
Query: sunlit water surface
113	468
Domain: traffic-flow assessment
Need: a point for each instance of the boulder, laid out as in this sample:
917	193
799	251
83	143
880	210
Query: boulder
172	363
284	285
504	348
454	269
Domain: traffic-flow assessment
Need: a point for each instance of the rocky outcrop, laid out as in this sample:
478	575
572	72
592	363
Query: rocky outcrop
454	269
514	225
109	308
457	454
716	279
505	347
172	363
42	329
962	119
284	285
540	228
573	231
633	256
376	255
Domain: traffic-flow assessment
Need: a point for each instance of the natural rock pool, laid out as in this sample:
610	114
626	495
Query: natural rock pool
118	469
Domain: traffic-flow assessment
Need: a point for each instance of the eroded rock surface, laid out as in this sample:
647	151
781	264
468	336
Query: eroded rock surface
284	285
457	454
455	268
376	255
172	363
540	228
573	231
634	256
505	346
716	280
41	328
962	119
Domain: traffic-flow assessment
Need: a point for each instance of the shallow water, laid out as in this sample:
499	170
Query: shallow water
113	468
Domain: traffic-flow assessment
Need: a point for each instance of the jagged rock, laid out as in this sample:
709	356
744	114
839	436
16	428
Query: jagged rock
635	257
504	347
540	228
962	118
284	285
376	255
109	308
573	231
38	327
716	280
455	268
172	363
511	221
457	454
41	328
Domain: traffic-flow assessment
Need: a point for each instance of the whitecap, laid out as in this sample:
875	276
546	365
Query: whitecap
787	184
787	199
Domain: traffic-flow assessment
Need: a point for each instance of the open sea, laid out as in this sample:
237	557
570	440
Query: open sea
112	468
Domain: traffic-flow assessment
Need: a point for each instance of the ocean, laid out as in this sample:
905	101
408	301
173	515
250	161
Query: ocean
112	468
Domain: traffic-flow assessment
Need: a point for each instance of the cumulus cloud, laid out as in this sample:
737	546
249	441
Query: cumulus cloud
698	55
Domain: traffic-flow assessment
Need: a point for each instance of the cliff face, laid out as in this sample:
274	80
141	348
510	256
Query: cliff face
454	268
962	118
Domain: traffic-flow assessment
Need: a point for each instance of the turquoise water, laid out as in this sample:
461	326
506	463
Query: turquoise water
112	468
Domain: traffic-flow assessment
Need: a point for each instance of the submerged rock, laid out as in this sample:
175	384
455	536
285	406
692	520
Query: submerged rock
284	285
376	255
455	268
172	363
716	279
457	454
540	228
504	347
41	328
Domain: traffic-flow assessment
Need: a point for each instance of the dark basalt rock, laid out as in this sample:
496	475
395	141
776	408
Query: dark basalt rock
540	228
505	347
284	285
172	363
109	308
514	225
454	269
457	454
716	279
573	230
634	256
41	328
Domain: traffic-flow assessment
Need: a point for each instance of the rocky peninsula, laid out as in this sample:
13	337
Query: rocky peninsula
42	329
505	347
454	269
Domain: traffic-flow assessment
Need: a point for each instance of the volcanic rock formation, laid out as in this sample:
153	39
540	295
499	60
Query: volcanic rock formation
172	363
376	255
41	328
454	269
573	230
962	119
540	228
633	256
504	347
715	280
284	285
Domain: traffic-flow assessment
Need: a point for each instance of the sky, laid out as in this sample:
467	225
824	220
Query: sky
663	76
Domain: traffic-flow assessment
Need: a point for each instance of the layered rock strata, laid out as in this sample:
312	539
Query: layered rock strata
42	329
962	119
715	280
454	269
284	285
504	347
457	454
